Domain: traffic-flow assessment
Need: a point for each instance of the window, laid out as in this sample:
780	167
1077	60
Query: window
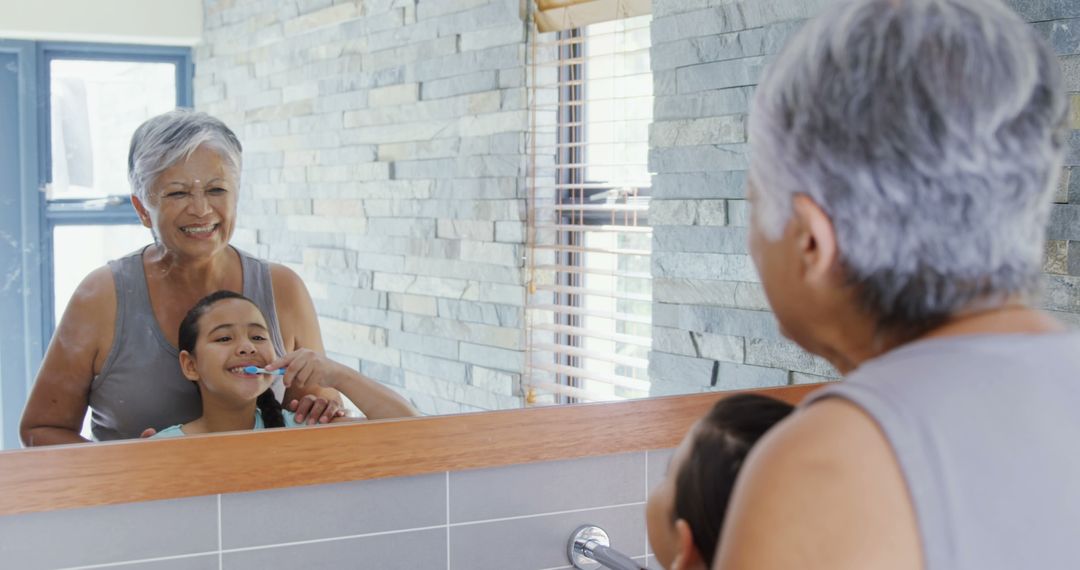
70	111
590	301
97	98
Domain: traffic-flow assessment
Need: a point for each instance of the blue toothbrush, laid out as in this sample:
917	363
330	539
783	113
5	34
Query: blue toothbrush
257	370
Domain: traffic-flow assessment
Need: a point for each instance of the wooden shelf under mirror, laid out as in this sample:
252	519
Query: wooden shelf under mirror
74	476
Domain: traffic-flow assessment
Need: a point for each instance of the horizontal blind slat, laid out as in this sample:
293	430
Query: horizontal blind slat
620	143
595	293
557	106
579	165
610	315
603	122
577	249
585	186
602	208
629	361
577	331
594	271
572	82
620	381
597	228
574	392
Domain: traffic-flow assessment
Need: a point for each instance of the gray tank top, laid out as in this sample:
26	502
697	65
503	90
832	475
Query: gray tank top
985	430
140	384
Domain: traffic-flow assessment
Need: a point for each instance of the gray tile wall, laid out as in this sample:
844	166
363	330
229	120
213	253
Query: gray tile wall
509	517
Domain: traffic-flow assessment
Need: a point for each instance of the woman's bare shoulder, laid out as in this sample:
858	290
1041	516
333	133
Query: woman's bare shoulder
295	310
84	334
807	484
285	281
95	295
290	294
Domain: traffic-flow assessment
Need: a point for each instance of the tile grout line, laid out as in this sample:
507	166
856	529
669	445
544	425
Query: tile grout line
547	514
447	520
646	551
331	539
221	551
139	561
404	530
220	556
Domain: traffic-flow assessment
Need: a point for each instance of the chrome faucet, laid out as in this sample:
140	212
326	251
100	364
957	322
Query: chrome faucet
589	548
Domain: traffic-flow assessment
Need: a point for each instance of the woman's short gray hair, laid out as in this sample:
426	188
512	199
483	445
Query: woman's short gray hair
931	132
166	139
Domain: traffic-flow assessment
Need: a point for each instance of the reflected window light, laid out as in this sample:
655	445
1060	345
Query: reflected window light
95	108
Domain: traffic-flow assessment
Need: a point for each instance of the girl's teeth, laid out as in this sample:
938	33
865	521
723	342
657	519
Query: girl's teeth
199	230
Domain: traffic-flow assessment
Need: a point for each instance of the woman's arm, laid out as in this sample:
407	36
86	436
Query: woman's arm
822	491
300	329
57	405
306	367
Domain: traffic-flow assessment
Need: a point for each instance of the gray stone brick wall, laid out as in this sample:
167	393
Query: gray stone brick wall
385	163
711	325
1060	23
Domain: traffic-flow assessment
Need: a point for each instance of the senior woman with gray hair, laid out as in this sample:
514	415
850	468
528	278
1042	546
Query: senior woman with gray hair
115	347
903	158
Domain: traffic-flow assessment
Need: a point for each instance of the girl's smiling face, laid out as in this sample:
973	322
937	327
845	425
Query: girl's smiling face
232	334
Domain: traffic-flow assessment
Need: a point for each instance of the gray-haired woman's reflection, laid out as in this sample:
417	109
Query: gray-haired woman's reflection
114	350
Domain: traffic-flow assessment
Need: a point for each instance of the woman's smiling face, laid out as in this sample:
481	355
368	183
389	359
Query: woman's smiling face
192	205
232	334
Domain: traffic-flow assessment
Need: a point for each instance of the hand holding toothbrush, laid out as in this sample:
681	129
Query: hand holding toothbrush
305	365
307	368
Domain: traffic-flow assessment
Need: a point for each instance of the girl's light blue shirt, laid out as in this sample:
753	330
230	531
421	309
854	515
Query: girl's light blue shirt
290	421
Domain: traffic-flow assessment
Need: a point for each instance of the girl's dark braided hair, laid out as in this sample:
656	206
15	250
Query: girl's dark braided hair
268	405
707	476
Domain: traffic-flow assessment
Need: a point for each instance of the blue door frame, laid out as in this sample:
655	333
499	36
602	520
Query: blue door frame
27	220
20	217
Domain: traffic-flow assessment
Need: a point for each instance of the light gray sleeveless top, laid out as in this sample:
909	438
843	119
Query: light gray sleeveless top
986	430
140	384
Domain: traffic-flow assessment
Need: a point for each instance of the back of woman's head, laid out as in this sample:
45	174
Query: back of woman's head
721	442
188	336
932	133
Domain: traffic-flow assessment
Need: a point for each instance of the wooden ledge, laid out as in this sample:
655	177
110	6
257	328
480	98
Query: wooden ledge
86	475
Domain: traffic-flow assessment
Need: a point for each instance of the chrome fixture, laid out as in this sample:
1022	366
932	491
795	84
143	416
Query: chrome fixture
589	548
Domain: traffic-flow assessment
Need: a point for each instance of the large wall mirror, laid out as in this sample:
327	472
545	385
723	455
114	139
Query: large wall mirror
493	205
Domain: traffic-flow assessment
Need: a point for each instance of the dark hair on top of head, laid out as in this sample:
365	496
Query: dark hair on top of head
267	403
721	442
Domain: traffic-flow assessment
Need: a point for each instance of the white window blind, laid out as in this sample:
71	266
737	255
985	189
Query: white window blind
588	311
557	15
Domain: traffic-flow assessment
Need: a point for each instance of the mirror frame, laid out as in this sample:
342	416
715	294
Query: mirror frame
84	475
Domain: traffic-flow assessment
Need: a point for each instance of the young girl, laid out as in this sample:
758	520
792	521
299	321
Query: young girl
226	332
686	511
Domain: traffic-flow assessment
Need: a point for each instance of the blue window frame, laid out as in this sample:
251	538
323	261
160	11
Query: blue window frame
20	341
28	220
114	210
